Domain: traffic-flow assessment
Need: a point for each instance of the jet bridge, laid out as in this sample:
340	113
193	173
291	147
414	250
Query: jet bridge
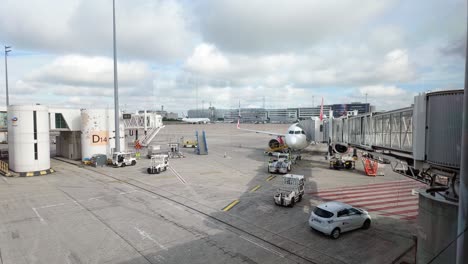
424	139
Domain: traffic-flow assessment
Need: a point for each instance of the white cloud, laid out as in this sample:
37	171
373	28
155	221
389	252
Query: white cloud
286	51
277	26
207	58
316	69
90	71
381	90
156	30
396	66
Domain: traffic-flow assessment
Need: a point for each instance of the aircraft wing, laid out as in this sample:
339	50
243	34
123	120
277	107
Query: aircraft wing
259	131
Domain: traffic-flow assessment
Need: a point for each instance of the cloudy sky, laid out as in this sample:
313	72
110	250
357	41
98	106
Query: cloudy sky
186	54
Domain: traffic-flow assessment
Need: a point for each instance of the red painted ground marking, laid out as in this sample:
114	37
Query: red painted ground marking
374	198
402	182
410	218
367	194
370	191
391	207
401	212
367	186
386	202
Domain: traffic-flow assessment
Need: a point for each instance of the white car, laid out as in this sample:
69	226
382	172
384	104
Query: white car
334	218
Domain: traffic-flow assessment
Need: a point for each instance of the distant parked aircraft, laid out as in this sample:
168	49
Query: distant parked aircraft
196	120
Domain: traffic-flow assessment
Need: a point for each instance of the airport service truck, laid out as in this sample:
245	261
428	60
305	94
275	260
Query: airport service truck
291	190
122	159
158	163
279	163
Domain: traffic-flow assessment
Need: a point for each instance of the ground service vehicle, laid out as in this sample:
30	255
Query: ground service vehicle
291	190
122	159
342	162
280	163
334	218
190	144
158	163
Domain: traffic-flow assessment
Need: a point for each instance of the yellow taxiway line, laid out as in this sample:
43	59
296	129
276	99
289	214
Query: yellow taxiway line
255	188
230	206
271	177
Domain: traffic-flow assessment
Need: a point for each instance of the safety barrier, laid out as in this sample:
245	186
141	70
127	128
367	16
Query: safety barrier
371	167
4	168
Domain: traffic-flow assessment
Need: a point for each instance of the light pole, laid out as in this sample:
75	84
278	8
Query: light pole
116	87
7	49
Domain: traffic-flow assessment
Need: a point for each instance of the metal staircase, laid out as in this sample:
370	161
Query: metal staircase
151	133
202	148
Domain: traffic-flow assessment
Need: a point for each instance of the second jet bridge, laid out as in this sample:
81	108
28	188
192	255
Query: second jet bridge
424	138
392	130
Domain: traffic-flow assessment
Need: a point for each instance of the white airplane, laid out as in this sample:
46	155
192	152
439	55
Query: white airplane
295	138
196	120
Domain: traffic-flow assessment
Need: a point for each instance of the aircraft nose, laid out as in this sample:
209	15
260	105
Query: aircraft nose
292	142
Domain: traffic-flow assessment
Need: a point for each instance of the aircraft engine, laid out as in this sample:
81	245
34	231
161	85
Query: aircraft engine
340	148
275	143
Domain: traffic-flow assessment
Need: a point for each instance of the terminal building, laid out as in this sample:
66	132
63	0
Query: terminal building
342	109
288	115
309	112
279	115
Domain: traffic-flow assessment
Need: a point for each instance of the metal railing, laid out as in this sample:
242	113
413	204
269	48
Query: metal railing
4	168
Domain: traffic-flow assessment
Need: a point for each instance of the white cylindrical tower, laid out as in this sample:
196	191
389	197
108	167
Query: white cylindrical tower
98	133
28	138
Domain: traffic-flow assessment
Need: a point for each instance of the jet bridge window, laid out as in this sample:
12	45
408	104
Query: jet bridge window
60	121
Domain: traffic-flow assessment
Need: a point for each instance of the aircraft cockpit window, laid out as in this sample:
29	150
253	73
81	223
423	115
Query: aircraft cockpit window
302	132
297	132
291	132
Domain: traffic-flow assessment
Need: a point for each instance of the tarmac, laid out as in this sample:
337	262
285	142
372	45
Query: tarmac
215	208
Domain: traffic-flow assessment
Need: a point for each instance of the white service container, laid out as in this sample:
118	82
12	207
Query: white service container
98	133
28	138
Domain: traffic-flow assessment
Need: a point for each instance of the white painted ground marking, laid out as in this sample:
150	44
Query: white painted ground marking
144	235
181	179
267	249
50	205
95	198
4	178
38	215
132	191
